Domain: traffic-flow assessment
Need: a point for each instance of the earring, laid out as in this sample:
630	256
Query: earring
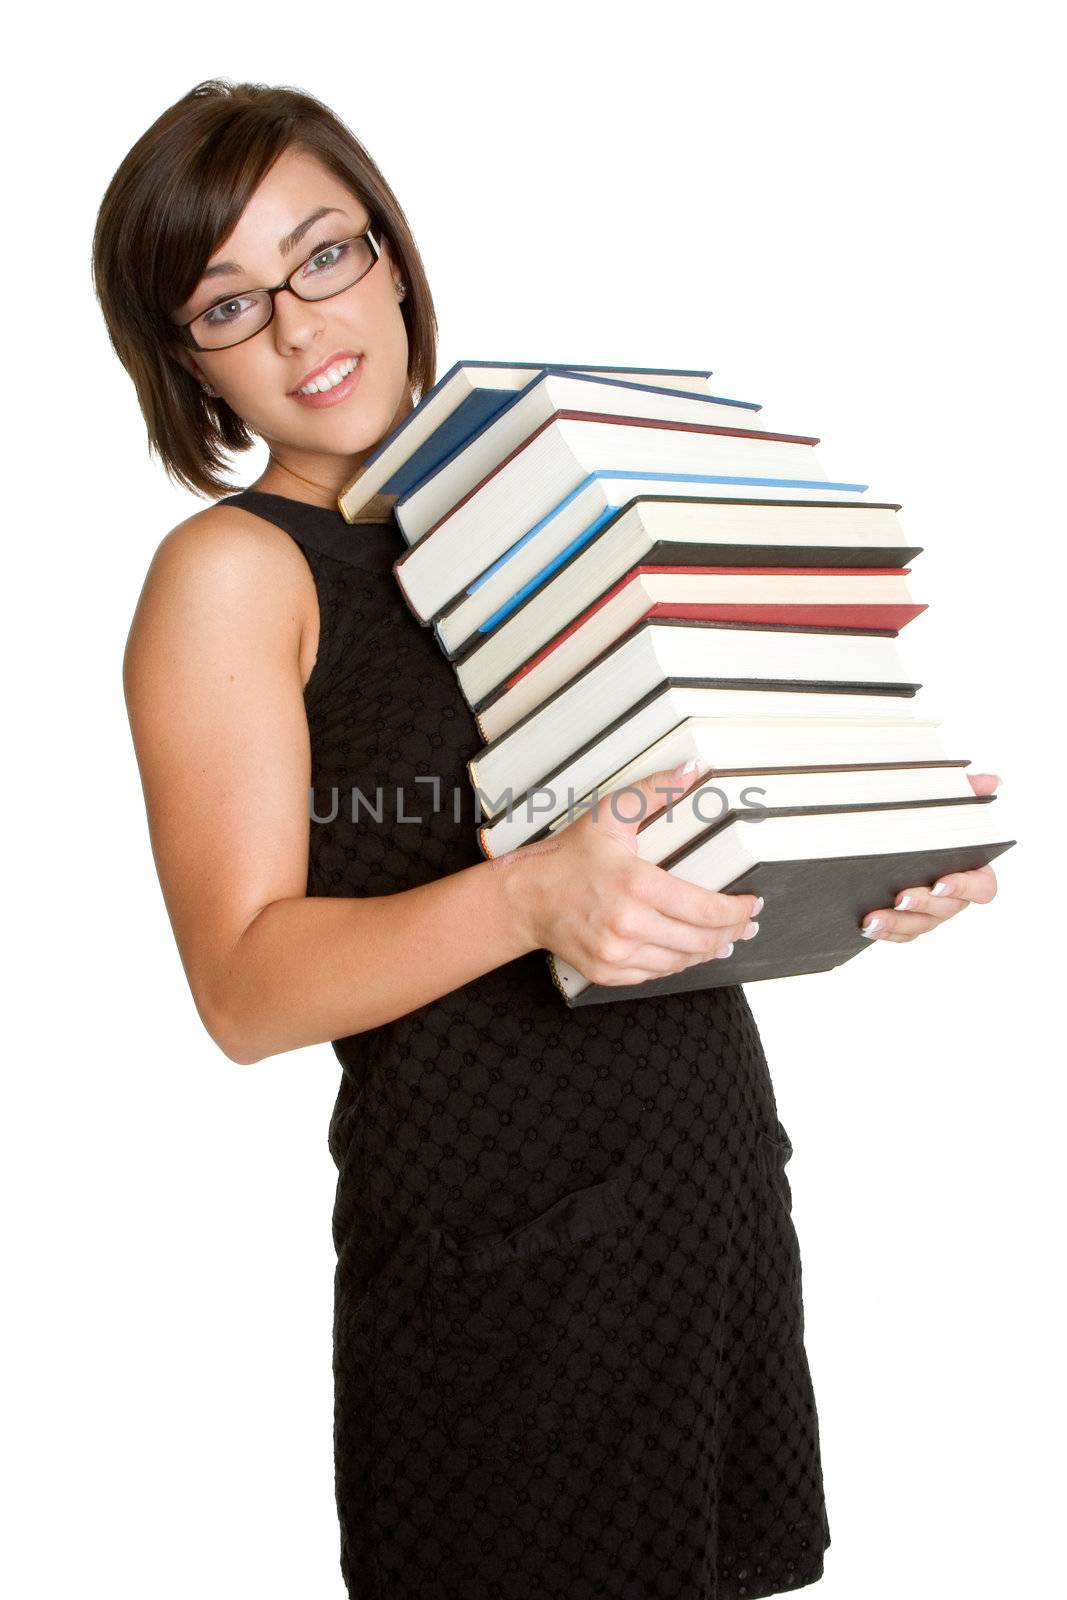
214	393
401	290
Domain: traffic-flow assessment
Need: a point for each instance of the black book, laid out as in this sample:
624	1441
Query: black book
820	870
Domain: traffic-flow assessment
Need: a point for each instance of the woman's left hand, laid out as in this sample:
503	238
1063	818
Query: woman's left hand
918	910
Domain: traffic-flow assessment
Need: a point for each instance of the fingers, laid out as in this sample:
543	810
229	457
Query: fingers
677	899
652	961
672	946
922	913
984	782
977	887
919	910
674	924
647	796
678	938
896	927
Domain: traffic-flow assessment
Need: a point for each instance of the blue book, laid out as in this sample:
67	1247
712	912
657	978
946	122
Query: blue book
576	521
469	395
510	505
551	391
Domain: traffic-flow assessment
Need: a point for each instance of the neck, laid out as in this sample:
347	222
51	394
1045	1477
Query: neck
316	487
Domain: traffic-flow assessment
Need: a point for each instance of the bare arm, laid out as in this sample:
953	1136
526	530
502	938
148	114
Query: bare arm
214	693
308	970
215	699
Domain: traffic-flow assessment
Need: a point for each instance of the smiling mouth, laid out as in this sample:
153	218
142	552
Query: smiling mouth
331	377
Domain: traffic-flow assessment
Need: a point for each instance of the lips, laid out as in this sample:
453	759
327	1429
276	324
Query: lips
324	366
335	394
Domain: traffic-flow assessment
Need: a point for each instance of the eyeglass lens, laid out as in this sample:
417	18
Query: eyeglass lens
334	268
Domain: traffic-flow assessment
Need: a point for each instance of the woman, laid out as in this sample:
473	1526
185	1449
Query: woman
568	1334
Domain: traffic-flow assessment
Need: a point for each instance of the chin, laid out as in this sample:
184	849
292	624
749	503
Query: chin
370	422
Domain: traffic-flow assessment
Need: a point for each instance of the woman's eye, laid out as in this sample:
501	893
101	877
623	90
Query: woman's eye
328	258
216	313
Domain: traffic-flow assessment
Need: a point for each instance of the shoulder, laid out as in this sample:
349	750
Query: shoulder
229	569
228	541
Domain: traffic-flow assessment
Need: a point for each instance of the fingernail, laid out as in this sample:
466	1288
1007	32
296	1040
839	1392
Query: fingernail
751	930
758	907
724	953
941	888
690	766
905	901
872	926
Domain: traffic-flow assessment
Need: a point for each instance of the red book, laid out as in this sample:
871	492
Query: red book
869	599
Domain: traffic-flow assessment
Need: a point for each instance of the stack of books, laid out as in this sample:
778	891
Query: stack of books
627	571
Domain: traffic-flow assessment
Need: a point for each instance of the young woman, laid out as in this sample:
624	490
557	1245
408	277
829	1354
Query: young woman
568	1334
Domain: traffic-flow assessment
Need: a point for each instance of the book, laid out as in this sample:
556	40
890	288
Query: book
468	396
682	717
695	803
579	518
820	871
833	598
668	530
627	571
731	656
532	480
425	503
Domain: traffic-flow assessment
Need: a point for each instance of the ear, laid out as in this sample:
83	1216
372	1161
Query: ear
187	359
387	256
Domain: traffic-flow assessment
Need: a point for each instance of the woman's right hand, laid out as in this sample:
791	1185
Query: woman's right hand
585	895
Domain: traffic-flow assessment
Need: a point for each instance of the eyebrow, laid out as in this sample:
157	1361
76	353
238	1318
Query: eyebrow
227	269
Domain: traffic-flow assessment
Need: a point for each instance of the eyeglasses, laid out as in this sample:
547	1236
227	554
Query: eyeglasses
332	269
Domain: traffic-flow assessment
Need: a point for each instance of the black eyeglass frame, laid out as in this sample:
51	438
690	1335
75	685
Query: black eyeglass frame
368	233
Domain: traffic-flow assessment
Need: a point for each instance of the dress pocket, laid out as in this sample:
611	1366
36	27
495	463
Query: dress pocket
779	1303
529	1327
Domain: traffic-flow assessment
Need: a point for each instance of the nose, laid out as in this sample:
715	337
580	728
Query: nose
296	321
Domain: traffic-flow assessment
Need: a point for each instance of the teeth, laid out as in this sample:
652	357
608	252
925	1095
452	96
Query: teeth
331	377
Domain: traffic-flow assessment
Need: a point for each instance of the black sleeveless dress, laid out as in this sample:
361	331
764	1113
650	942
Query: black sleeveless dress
568	1330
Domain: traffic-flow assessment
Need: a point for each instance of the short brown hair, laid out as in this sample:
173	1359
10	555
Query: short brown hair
176	195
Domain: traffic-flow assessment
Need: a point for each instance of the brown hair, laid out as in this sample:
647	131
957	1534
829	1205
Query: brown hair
176	195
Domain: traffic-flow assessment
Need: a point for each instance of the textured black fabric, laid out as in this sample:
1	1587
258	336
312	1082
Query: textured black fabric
568	1333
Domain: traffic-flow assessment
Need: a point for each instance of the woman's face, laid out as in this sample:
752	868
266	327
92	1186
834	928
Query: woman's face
257	377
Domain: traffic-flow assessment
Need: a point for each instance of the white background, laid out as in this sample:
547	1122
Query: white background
848	213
